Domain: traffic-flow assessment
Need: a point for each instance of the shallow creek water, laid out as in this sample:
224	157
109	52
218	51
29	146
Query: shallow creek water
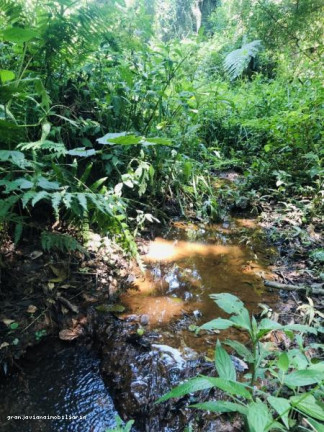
182	269
61	381
188	264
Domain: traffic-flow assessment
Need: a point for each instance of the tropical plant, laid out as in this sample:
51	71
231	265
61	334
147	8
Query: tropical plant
296	380
238	60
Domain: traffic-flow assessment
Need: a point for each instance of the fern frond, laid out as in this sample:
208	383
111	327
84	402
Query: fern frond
15	157
58	149
56	199
238	60
61	242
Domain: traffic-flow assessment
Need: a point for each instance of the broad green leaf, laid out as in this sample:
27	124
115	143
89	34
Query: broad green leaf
18	232
19	34
303	378
228	302
217	324
81	152
268	324
109	136
203	383
297	359
119	139
242	319
221	407
6	75
317	366
159	141
318	427
276	426
241	349
300	328
309	405
191	386
258	417
283	362
125	140
282	406
231	387
224	364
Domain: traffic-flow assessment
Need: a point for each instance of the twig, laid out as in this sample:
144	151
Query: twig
315	288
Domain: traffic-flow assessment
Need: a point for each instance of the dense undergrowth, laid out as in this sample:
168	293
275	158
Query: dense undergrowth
115	114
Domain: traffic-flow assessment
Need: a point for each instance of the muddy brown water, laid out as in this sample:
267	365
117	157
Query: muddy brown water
183	268
186	266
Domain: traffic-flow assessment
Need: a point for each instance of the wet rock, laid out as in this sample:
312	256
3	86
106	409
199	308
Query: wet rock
145	319
137	373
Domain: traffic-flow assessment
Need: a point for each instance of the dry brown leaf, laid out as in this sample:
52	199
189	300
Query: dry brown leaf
70	334
89	299
277	337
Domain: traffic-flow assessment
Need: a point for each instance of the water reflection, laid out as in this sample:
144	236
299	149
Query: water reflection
181	275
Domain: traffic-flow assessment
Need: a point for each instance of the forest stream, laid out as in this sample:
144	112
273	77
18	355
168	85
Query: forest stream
87	387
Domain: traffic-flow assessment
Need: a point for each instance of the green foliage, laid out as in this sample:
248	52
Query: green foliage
121	427
103	120
238	60
61	242
297	386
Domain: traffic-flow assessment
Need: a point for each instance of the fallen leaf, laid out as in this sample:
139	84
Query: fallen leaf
35	254
110	308
70	334
89	299
67	286
8	321
64	310
60	272
31	309
4	345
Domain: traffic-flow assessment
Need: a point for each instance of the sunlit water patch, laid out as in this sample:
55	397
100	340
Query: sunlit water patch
188	265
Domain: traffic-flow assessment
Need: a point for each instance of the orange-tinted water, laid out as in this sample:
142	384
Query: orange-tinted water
187	266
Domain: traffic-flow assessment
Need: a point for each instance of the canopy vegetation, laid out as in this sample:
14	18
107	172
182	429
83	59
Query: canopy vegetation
116	113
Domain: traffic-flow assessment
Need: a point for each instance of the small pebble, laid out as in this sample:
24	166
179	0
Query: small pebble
145	320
